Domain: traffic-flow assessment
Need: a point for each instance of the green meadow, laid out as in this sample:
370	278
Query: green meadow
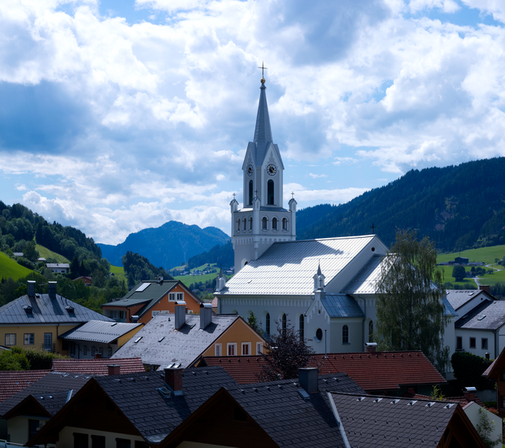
9	268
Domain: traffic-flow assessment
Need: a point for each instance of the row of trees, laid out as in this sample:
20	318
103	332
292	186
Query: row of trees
138	268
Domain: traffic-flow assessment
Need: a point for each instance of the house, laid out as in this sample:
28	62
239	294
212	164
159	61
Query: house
324	288
86	280
58	268
14	381
387	373
150	298
183	339
98	366
98	336
37	320
465	300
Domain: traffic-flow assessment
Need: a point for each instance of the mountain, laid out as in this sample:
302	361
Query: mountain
458	207
168	246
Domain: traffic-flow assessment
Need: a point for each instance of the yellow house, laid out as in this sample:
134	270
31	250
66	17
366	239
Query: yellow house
182	339
38	320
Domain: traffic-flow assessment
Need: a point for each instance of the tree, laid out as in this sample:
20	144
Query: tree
252	320
485	428
410	311
286	353
459	273
14	359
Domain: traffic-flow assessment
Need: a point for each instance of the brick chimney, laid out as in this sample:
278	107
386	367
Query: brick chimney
114	369
371	347
308	377
173	379
31	288
469	393
98	356
180	314
52	289
205	315
485	288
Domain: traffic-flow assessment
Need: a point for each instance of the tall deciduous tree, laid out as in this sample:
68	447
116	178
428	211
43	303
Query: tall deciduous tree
458	272
409	306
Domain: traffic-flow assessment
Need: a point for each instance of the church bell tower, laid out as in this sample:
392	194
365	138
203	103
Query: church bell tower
262	220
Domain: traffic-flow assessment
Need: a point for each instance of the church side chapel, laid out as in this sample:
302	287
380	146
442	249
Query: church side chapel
324	288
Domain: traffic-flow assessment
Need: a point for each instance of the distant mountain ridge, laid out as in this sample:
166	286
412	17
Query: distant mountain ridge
167	246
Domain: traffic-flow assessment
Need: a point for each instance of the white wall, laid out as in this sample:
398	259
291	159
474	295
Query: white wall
472	412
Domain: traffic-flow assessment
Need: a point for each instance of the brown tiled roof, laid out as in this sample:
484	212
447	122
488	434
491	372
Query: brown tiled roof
97	366
371	371
13	381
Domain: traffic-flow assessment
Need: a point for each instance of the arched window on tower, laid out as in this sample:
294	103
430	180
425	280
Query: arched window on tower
270	192
245	224
250	223
264	223
370	331
238	225
345	334
301	326
284	324
274	223
250	192
284	224
267	323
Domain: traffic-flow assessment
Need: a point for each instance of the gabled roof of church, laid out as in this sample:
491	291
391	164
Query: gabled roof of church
366	280
341	305
288	268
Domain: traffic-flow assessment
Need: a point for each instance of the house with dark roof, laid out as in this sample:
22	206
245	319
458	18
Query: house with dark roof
391	373
183	339
99	366
99	337
150	298
37	320
14	381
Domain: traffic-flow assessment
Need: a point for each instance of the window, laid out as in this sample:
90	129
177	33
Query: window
270	192
284	224
472	342
48	342
123	443
97	441
176	296
484	344
250	192
80	440
121	314
217	350
85	350
459	343
232	349
246	348
301	327
345	334
33	426
319	334
250	223
29	339
109	352
141	444
93	350
72	348
100	350
370	331
274	223
238	225
284	324
264	223
245	224
10	338
267	323
259	348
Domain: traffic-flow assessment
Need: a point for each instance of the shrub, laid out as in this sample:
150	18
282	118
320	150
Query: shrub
40	359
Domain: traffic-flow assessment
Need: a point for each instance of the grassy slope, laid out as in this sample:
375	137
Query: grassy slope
118	272
46	253
9	268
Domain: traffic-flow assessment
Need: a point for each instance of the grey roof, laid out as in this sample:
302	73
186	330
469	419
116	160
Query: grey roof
459	297
161	345
341	305
99	331
45	310
47	385
58	265
370	420
448	309
487	316
365	281
287	268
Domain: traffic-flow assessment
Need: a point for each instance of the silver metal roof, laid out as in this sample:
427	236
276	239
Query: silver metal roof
288	268
99	331
160	344
491	317
365	282
341	305
458	297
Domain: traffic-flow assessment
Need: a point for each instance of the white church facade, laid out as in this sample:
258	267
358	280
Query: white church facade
325	288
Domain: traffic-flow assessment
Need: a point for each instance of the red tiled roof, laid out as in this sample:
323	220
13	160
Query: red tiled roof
371	371
97	366
14	381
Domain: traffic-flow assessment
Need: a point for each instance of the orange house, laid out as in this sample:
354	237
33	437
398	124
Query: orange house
150	298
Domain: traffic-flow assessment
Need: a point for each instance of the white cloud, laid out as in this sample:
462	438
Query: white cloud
317	176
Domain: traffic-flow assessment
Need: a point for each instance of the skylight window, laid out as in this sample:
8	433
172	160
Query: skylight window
142	287
481	317
138	339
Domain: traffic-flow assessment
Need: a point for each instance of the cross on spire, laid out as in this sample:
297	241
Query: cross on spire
292	195
373	228
263	68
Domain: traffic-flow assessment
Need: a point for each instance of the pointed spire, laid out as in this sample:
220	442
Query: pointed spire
262	132
319	269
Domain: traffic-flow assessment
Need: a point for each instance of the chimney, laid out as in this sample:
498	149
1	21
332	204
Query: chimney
98	356
180	314
135	319
485	288
205	315
113	369
173	379
371	347
52	289
308	377
31	288
469	393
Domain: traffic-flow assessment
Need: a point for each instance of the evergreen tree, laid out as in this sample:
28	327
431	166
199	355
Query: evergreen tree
410	311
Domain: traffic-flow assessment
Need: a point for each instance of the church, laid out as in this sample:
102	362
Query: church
324	288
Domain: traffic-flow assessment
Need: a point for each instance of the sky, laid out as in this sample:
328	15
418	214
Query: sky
119	115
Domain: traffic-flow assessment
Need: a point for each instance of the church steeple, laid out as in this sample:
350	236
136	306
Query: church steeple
263	131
